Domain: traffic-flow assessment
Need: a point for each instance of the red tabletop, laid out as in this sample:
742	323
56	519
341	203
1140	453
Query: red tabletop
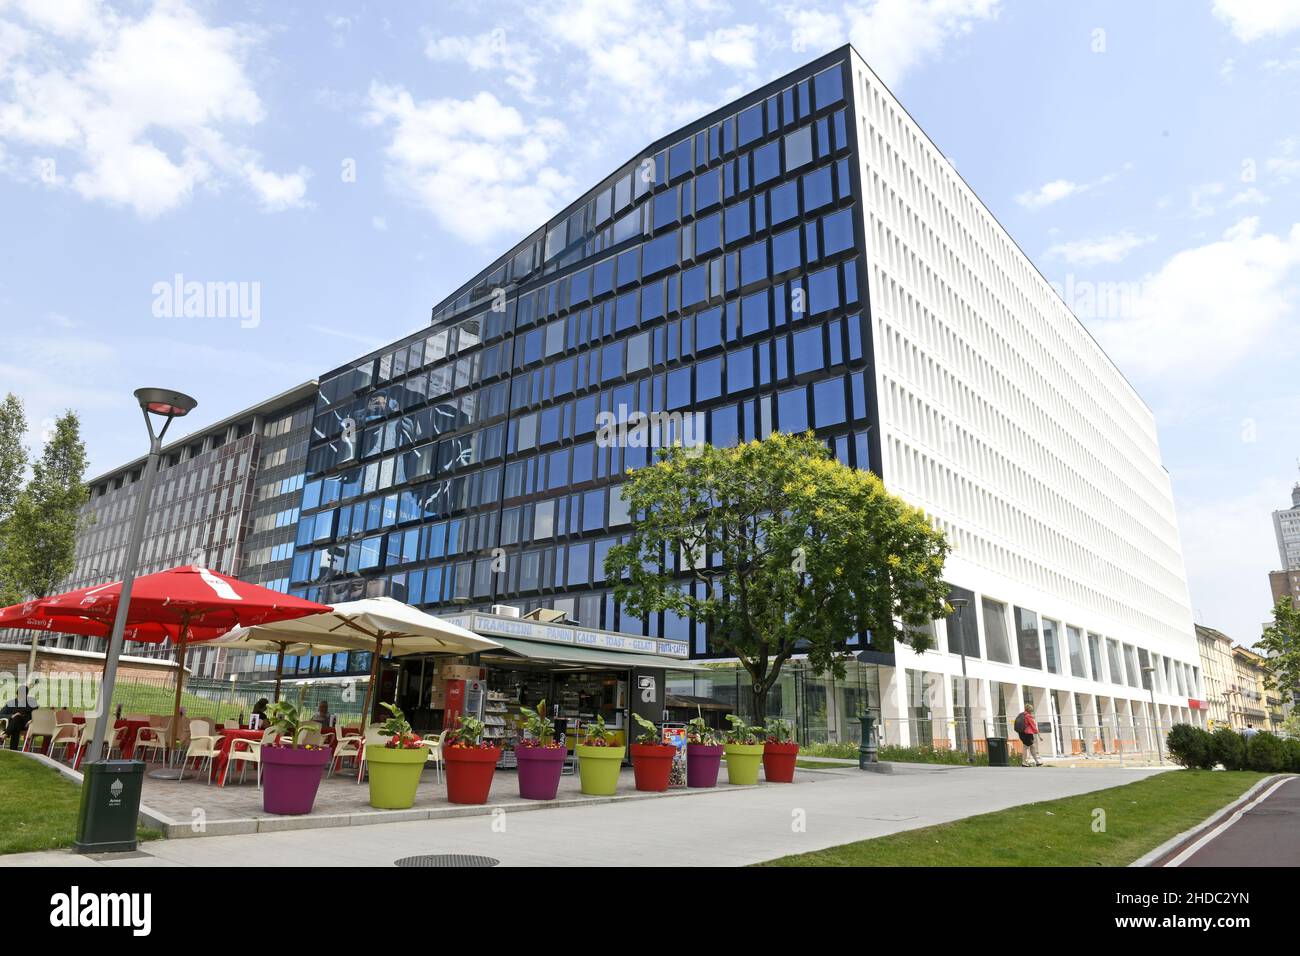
226	737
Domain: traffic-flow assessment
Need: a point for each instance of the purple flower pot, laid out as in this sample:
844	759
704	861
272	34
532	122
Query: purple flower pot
702	765
539	771
290	779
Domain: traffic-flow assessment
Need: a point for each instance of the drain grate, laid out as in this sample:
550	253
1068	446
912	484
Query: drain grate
447	859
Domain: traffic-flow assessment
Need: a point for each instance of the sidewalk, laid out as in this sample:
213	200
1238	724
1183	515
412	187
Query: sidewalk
714	828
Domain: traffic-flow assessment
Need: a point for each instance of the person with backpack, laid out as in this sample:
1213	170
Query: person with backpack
1027	728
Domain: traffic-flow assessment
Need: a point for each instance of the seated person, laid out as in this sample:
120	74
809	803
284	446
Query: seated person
324	716
18	711
258	720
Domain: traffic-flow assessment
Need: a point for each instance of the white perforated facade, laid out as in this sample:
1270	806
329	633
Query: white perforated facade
1004	419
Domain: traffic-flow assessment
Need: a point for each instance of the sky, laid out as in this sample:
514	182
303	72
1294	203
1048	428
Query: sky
346	165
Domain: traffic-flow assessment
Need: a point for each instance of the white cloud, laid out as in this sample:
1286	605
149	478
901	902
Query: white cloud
734	47
1049	193
379	223
494	51
1199	196
137	109
1285	166
894	36
1252	19
813	31
1248	197
479	166
1103	249
1210	306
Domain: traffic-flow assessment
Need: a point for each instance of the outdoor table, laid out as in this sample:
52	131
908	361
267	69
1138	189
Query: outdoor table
227	737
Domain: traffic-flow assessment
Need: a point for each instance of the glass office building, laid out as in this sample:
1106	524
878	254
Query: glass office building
716	281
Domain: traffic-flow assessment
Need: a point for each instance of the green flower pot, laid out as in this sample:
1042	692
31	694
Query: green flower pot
394	775
743	761
598	769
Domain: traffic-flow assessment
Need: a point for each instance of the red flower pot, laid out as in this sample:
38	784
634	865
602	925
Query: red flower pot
290	779
702	764
778	762
539	771
469	772
652	765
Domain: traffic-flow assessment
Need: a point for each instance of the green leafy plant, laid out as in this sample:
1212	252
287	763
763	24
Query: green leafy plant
741	732
649	735
596	735
1229	749
287	720
1191	747
398	730
698	732
1264	752
468	734
778	731
539	727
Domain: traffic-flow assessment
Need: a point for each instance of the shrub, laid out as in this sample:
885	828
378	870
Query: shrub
1191	747
1264	752
1229	749
1291	753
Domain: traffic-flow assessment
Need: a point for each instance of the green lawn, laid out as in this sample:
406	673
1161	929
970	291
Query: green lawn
38	806
1138	817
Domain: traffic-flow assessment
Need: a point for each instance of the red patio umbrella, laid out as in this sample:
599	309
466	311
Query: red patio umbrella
195	602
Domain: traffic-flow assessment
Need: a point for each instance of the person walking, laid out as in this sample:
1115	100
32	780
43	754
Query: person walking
1027	728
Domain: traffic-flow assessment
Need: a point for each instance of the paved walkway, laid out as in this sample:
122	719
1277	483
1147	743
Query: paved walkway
708	828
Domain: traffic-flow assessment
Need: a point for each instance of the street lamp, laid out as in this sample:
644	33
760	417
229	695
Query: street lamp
166	405
1155	716
958	604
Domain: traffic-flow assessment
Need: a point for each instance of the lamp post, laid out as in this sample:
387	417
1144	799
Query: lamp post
958	604
1155	717
166	405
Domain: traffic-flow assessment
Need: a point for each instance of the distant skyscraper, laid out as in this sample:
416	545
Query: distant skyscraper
1287	525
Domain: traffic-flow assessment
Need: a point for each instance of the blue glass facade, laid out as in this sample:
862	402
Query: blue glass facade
719	276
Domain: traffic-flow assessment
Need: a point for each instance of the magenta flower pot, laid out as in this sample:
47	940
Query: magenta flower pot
539	771
290	779
702	765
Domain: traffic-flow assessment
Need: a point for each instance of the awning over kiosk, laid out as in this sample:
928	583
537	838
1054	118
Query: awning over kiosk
591	657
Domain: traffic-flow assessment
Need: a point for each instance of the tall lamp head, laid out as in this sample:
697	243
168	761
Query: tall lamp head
164	403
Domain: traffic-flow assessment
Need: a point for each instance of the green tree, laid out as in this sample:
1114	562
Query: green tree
778	547
41	534
13	455
1281	648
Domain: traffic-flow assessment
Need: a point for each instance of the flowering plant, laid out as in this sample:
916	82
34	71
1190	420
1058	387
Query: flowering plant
741	732
779	731
539	728
597	735
698	732
649	735
398	730
468	735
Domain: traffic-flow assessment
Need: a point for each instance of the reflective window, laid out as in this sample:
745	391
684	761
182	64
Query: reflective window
828	403
750	124
708	234
783	202
785	251
767	162
837	232
816	189
798	148
792	410
740	370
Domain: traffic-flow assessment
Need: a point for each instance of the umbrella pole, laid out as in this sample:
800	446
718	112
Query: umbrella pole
374	678
180	679
279	672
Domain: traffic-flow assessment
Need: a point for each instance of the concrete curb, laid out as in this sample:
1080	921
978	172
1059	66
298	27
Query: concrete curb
178	829
148	817
1173	843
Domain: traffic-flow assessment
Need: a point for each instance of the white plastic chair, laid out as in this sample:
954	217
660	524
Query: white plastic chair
154	738
373	735
435	745
246	752
44	723
65	735
353	745
203	746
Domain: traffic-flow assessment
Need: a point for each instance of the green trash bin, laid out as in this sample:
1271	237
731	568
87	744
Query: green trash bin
997	751
110	806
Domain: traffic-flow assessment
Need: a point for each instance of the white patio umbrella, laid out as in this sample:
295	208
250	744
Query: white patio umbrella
253	639
380	625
